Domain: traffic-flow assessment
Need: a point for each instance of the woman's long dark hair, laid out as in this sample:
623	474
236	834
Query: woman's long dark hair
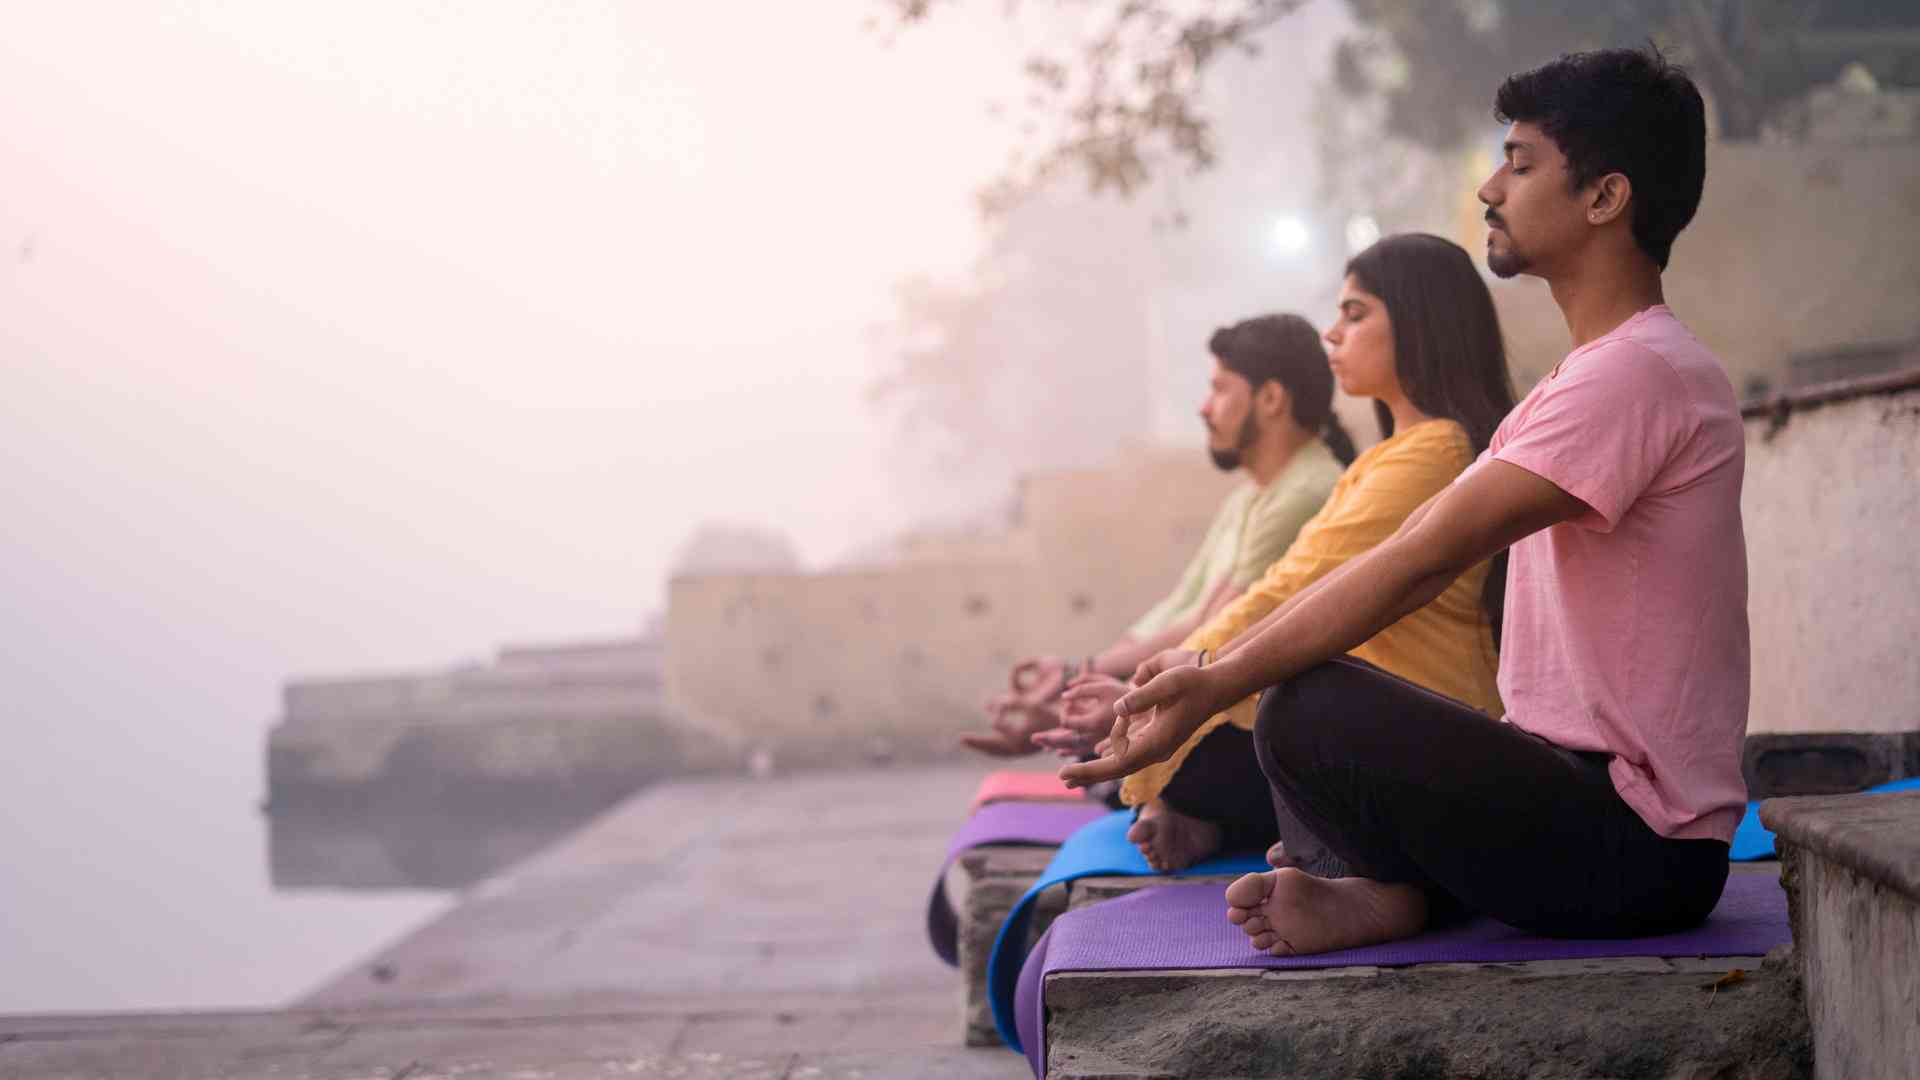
1287	348
1447	349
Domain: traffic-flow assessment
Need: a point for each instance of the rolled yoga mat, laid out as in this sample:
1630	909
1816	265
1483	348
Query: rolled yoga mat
1027	786
1099	849
1047	823
1179	927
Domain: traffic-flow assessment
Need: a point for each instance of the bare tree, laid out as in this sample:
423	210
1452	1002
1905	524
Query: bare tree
1124	100
1039	358
1124	93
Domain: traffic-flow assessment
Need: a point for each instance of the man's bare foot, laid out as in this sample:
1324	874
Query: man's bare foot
1170	839
1290	912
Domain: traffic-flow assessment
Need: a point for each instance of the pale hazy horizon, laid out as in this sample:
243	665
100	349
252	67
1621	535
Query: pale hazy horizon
371	336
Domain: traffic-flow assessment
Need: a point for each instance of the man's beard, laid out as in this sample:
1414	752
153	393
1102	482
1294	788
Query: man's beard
1229	460
1510	264
1507	265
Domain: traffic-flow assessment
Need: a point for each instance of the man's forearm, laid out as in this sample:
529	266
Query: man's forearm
1334	615
1278	613
1462	526
1285	609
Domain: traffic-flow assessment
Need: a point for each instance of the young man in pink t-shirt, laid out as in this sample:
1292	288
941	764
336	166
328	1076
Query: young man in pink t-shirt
1603	802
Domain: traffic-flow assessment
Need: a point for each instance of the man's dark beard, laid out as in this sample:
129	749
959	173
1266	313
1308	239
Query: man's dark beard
1511	264
1229	460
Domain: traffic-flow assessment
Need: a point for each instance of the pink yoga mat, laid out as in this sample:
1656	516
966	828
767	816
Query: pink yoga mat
1009	784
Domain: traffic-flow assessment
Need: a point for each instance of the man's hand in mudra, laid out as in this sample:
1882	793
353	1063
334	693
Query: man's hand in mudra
1150	723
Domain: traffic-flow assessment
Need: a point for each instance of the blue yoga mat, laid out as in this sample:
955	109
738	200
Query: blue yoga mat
1040	823
1099	849
1752	840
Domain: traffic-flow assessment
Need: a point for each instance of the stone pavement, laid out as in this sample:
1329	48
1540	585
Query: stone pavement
702	929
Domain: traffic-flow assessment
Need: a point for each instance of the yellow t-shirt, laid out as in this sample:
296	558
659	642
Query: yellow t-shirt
1446	646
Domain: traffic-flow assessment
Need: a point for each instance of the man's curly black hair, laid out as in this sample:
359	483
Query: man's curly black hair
1627	111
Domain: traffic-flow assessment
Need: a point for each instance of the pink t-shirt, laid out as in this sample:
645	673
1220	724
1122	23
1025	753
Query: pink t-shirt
1626	628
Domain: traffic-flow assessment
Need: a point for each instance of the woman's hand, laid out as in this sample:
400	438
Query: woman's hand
1152	722
1086	715
1164	661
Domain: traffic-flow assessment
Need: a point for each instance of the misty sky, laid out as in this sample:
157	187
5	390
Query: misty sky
371	335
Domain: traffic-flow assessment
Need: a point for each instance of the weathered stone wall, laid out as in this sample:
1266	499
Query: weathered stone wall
897	660
1832	508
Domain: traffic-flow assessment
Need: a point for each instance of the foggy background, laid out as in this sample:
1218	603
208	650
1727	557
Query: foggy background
371	335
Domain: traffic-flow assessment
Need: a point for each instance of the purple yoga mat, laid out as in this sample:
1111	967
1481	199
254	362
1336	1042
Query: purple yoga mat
1185	927
999	823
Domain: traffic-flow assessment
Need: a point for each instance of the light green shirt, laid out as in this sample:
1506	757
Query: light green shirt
1253	528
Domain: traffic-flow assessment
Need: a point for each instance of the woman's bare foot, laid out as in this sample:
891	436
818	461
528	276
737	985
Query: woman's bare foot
1278	858
1170	839
1289	912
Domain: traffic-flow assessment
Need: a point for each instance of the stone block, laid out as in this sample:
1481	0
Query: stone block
1093	890
1852	870
1629	1018
990	880
1827	763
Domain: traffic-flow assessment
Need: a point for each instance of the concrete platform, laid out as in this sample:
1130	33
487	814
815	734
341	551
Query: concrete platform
1642	1017
735	1037
726	928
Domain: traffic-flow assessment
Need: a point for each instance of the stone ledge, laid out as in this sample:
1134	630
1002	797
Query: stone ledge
1778	763
1875	836
1093	890
1630	1017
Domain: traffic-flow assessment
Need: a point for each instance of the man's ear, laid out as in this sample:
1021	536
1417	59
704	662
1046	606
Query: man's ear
1271	400
1612	194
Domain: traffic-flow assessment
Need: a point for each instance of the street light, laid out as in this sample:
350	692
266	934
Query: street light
1290	236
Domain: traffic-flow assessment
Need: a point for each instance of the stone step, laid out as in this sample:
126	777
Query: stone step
1629	1017
1851	864
991	879
1641	1017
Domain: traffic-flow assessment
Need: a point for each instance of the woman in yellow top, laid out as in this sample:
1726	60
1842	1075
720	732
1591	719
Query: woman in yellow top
1417	333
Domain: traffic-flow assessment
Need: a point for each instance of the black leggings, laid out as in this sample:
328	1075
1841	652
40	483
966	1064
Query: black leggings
1405	785
1220	782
